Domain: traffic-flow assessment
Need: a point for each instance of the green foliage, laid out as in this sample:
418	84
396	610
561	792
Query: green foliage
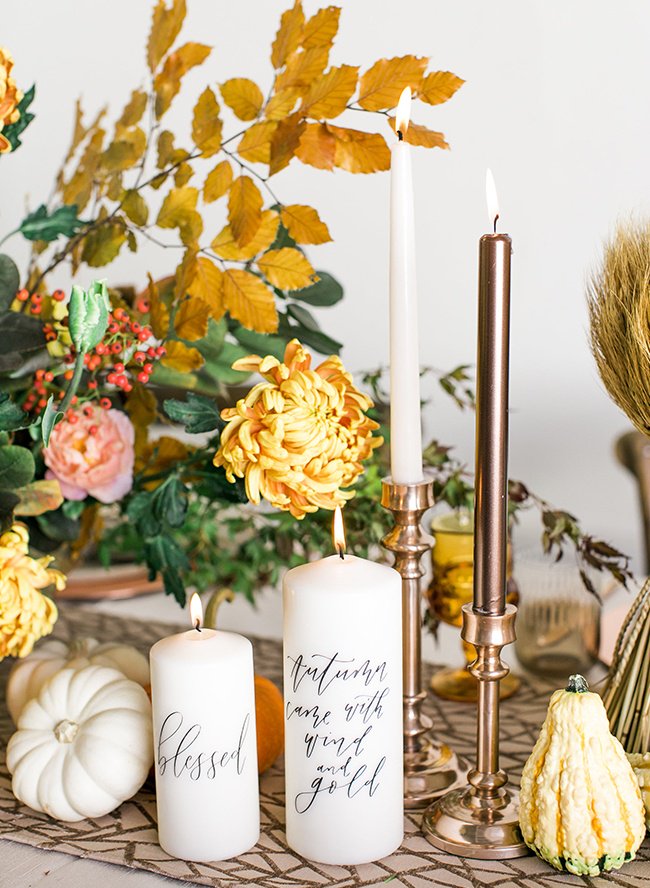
42	225
13	131
21	336
196	414
9	281
16	466
11	415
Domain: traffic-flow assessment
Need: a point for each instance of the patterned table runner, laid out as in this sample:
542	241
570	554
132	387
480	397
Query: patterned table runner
127	837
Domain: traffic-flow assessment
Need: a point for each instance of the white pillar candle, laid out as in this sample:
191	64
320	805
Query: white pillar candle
205	750
343	710
405	429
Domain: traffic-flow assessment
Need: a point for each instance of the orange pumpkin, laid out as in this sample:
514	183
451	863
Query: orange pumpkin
269	714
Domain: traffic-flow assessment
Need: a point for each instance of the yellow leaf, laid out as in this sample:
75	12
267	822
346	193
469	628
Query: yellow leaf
135	207
38	497
304	224
285	141
191	319
102	244
243	96
250	301
133	111
207	286
185	273
167	154
79	187
244	209
165	27
382	85
317	146
359	152
217	182
287	269
113	187
183	174
328	96
439	86
179	211
416	134
255	144
126	151
141	406
287	39
158	311
321	28
225	246
282	103
181	357
168	80
303	68
206	124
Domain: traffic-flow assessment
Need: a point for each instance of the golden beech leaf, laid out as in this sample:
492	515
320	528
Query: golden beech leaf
133	111
165	148
249	301
102	244
191	319
321	28
243	96
359	152
255	144
206	124
181	357
185	273
167	82
287	39
416	134
158	311
165	28
287	269
178	210
304	224
141	406
206	286
225	246
381	86
113	187
303	68
439	86
244	209
282	103
183	174
328	96
125	152
285	141
78	188
217	182
317	146
135	207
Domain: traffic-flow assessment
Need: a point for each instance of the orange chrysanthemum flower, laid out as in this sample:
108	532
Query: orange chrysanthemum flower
10	96
300	437
25	613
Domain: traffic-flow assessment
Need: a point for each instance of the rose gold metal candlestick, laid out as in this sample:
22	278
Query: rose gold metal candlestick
430	768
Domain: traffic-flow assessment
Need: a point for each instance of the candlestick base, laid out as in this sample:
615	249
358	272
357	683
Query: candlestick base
482	819
431	769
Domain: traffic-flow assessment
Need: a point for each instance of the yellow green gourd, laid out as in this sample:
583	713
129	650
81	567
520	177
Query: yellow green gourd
580	804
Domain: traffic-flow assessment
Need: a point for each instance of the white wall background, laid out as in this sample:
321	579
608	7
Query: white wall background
556	102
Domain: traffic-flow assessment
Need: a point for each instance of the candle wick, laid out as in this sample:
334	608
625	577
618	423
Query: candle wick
400	136
496	219
198	626
341	551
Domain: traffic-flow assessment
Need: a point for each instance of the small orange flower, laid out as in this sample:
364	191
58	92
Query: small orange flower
10	96
300	437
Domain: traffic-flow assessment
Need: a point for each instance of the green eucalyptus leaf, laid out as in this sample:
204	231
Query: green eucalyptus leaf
326	291
304	317
88	315
44	226
260	343
51	416
57	526
9	281
12	417
22	333
196	413
16	466
220	367
317	340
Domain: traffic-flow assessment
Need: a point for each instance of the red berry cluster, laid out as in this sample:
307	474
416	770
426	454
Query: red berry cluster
36	300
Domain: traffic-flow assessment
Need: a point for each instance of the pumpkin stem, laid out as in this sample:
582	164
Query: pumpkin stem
577	684
217	599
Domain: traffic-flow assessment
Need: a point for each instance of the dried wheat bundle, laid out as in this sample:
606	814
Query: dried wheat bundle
627	693
619	312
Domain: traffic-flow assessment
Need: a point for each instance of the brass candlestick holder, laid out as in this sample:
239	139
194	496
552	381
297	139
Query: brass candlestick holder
431	769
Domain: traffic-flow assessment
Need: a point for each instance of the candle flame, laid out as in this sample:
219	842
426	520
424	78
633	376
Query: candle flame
492	198
338	532
196	611
403	113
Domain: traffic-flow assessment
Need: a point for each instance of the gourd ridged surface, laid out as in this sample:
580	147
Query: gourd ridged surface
580	804
641	766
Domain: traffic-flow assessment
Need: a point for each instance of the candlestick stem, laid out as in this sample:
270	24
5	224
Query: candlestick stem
430	768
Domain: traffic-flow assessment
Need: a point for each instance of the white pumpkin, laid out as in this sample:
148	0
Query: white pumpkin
28	676
83	746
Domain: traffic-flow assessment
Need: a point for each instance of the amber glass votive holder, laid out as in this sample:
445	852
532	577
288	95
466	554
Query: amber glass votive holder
451	587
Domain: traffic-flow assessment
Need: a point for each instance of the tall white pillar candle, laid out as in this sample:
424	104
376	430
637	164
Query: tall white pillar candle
405	429
205	750
343	710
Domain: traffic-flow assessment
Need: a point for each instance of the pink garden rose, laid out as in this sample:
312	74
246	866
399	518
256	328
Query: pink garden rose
93	455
